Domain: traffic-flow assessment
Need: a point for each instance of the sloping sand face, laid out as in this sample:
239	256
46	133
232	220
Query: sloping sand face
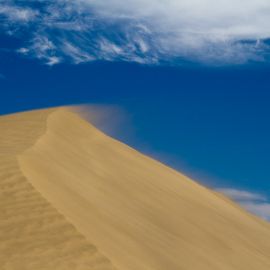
94	195
33	234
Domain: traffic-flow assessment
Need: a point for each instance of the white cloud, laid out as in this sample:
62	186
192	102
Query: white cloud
23	50
17	14
43	49
77	54
241	195
149	31
253	202
53	60
259	209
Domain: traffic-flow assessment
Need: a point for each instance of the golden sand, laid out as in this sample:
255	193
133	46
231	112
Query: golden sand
73	198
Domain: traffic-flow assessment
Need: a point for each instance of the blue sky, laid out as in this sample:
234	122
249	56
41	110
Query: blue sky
192	92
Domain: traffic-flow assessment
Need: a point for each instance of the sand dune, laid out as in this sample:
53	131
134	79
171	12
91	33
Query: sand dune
73	198
33	235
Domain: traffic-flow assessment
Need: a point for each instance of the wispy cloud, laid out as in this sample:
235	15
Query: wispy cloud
242	195
259	209
145	31
256	203
15	13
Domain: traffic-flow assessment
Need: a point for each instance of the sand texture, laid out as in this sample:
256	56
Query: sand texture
33	234
73	198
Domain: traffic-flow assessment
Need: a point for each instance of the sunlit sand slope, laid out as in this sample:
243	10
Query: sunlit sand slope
33	235
139	213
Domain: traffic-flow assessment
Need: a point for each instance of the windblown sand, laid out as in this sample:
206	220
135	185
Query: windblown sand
73	198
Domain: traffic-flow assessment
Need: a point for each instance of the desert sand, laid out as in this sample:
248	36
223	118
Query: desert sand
71	197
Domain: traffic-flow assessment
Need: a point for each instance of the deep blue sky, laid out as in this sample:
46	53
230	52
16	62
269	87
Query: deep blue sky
212	123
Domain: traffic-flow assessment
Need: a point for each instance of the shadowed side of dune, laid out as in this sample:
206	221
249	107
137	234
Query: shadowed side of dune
138	212
33	234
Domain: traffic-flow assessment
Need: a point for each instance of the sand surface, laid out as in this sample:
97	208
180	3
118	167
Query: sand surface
73	198
33	234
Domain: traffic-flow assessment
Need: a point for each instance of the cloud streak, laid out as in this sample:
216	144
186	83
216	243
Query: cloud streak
241	195
255	203
145	31
17	14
